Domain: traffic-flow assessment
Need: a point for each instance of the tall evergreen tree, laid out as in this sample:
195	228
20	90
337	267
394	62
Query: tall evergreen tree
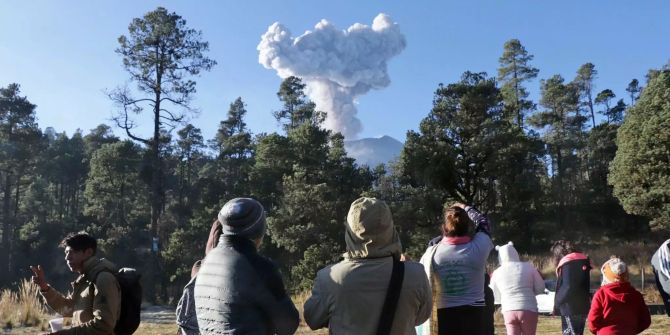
562	124
604	98
160	52
640	172
455	147
102	134
307	183
19	139
586	76
616	113
634	90
296	109
113	197
189	150
514	70
66	167
234	147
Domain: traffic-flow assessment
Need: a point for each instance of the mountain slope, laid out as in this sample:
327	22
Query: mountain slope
374	151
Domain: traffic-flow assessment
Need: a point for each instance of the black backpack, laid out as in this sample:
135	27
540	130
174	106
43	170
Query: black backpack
131	301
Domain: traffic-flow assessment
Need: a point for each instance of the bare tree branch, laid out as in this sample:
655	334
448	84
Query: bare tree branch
171	117
122	120
180	102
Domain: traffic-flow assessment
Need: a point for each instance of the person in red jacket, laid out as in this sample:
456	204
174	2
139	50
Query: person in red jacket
617	308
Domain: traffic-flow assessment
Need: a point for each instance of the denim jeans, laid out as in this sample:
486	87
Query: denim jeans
573	324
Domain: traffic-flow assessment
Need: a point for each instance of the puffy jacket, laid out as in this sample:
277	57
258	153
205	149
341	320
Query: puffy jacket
238	291
660	264
618	309
661	273
573	285
94	307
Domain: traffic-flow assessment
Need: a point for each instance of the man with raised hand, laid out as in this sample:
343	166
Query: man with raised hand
95	300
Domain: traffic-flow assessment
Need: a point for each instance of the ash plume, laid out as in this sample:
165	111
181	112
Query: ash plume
337	66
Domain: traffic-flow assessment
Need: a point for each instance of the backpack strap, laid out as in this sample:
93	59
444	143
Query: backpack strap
91	282
392	297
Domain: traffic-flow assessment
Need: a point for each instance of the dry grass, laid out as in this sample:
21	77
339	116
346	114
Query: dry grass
22	308
145	329
637	256
299	301
542	263
660	325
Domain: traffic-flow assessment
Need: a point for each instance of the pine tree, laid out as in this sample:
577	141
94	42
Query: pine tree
586	76
19	141
634	90
515	69
640	171
160	52
562	125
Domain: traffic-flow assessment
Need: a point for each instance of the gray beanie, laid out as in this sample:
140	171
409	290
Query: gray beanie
243	217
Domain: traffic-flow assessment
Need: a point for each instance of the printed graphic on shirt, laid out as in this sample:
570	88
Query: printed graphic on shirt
455	283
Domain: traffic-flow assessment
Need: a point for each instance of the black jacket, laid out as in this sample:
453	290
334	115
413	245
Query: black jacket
573	295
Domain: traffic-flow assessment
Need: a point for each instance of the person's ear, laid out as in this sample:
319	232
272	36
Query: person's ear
89	252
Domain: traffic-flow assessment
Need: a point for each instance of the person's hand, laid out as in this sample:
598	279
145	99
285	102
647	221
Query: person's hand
458	204
38	277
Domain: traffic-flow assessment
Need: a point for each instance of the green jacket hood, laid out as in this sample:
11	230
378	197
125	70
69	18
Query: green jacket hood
95	265
369	230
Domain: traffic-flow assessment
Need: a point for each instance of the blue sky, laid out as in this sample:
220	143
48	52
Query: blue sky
62	52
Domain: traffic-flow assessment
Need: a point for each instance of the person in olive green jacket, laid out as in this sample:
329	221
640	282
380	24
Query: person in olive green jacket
95	301
347	297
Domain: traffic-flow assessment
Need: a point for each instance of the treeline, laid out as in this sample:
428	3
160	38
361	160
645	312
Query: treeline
542	170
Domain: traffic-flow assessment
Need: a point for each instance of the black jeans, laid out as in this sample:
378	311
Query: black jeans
462	320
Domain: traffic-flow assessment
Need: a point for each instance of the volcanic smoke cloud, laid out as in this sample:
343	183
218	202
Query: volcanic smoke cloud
337	66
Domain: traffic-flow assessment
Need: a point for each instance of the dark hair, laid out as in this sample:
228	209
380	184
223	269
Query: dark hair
560	249
214	235
79	242
196	268
456	222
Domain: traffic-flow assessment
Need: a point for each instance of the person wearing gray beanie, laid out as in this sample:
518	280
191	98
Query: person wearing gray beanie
243	217
238	291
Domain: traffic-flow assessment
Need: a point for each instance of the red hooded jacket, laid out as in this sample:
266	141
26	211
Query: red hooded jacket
618	308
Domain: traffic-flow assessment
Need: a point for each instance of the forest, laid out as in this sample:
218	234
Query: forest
579	163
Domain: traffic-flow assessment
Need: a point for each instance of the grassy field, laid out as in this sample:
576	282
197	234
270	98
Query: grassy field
660	325
20	311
